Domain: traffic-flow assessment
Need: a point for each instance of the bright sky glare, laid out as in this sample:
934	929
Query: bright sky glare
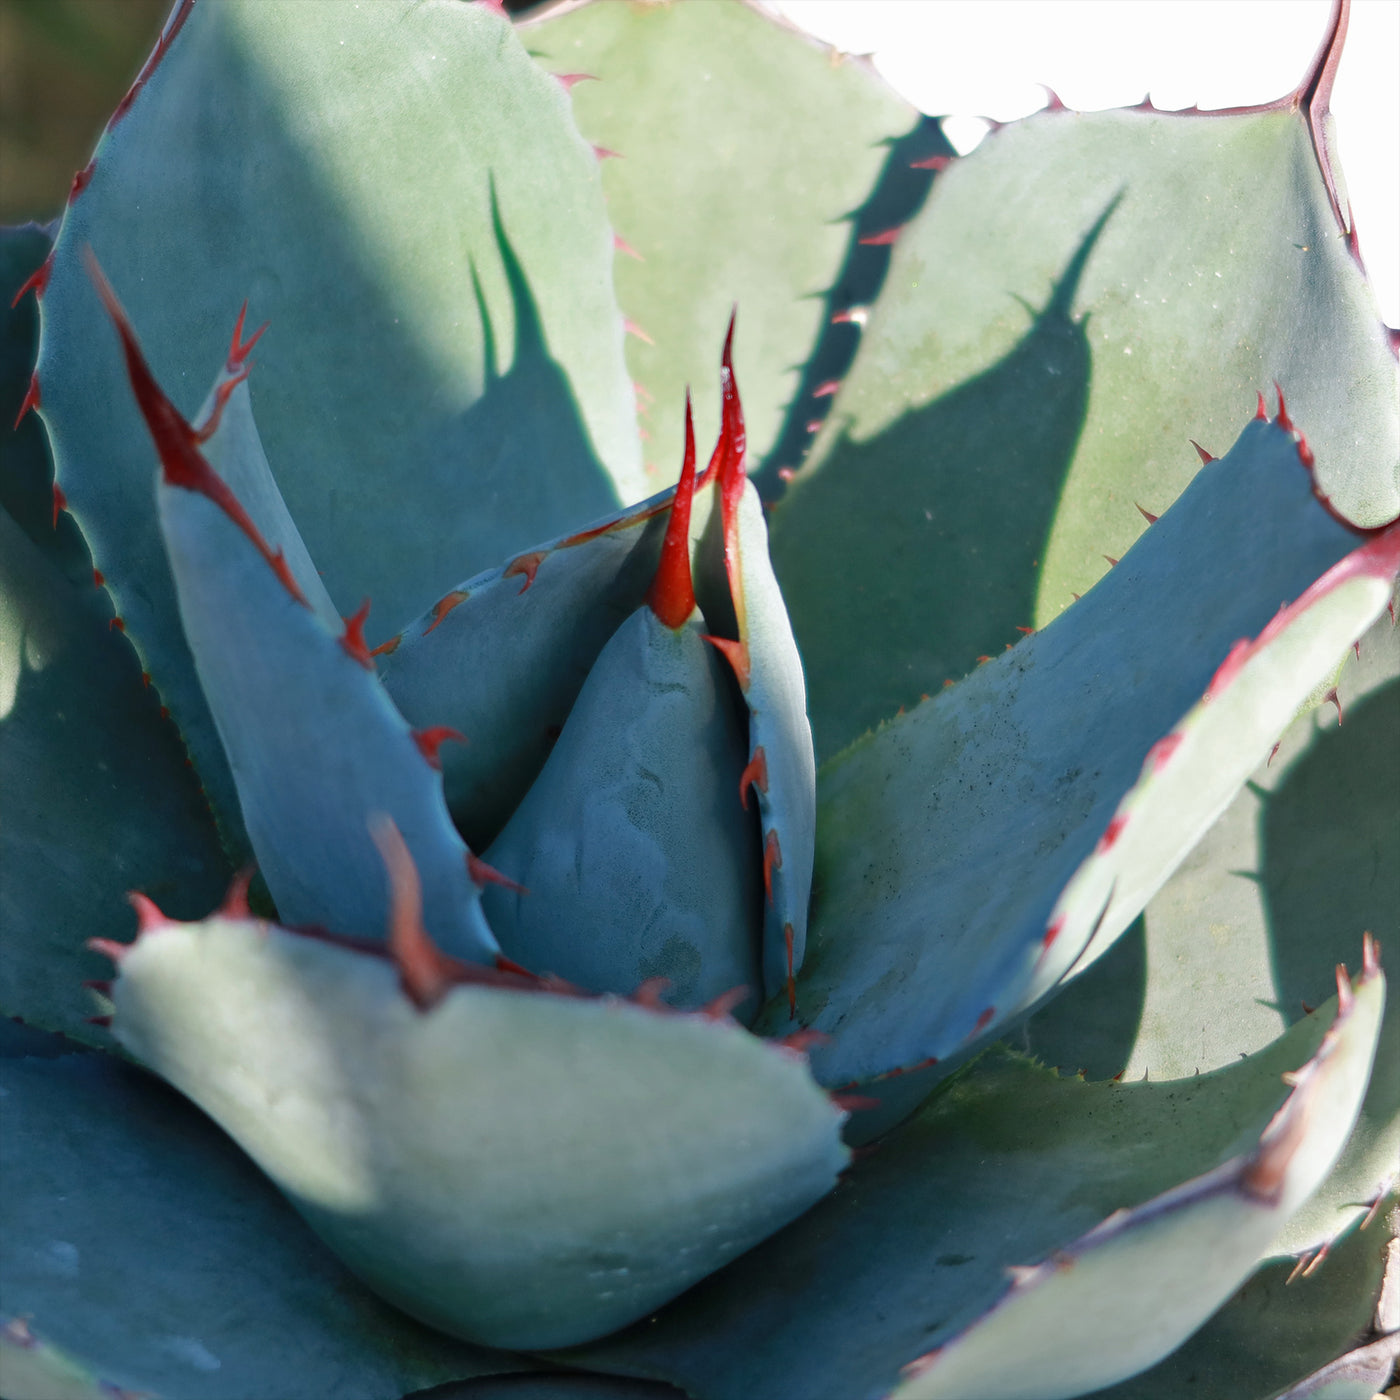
965	60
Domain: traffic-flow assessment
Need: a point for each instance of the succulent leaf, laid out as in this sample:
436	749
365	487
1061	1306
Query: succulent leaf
502	656
678	92
1027	806
379	1115
1011	1165
1037	353
315	745
531	1162
98	799
1303	860
186	1274
637	857
437	337
26	475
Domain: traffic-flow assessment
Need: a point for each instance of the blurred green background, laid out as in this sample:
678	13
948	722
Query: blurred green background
64	64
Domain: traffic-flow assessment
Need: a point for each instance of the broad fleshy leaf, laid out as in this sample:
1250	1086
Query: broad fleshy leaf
141	1243
1009	1165
1242	940
514	1166
1034	367
1280	1325
404	196
970	850
1200	1241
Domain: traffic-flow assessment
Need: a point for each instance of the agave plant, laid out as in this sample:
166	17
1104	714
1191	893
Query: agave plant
613	1025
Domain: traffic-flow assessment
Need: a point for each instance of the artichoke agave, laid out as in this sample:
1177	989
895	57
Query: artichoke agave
568	976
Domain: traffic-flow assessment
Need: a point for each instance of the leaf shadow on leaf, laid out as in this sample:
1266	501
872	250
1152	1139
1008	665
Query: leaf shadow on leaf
949	570
897	195
1331	846
535	472
1092	1025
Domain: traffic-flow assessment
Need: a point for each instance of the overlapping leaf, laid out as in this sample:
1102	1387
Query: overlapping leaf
1035	366
1009	1166
614	1153
442	310
969	851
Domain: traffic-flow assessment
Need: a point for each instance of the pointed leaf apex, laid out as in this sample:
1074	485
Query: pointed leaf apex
148	913
36	282
755	774
423	970
182	463
30	399
108	949
1262	412
722	1007
1282	419
1370	956
353	638
672	593
736	653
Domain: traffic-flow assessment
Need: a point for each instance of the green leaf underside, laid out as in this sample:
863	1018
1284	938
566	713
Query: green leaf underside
316	747
137	1240
1033	369
1008	1166
953	839
97	797
521	1169
637	858
502	656
1244	937
718	218
442	311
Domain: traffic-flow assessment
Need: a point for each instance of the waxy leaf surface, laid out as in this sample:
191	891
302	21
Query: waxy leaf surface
443	381
518	1168
1010	1165
1034	368
185	1274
